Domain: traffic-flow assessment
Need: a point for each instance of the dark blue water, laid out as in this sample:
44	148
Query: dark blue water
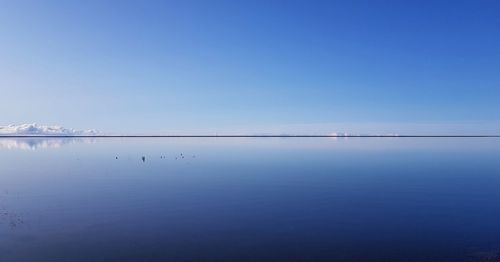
268	199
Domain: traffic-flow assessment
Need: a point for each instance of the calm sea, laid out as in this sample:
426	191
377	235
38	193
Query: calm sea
250	199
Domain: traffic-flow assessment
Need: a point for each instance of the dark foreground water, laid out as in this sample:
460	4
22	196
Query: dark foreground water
230	199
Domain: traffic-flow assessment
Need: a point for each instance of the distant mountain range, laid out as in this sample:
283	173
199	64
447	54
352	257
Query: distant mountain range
42	130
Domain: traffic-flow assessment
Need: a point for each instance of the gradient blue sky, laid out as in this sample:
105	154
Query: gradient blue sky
252	66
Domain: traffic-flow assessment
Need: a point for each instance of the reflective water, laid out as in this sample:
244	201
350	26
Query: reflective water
229	199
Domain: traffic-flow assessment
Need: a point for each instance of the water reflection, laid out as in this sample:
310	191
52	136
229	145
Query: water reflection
34	143
250	200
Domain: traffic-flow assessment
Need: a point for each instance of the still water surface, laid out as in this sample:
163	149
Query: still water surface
243	199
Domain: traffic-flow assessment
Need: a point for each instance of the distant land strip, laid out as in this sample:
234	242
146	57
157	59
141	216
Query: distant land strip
239	136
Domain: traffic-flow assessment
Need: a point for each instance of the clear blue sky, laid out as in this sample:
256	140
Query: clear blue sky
227	66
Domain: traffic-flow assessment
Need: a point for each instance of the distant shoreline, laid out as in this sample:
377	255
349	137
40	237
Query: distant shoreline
248	136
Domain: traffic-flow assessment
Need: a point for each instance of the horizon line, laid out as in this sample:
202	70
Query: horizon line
246	136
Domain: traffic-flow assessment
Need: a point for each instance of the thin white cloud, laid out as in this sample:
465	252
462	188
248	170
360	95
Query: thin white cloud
41	130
